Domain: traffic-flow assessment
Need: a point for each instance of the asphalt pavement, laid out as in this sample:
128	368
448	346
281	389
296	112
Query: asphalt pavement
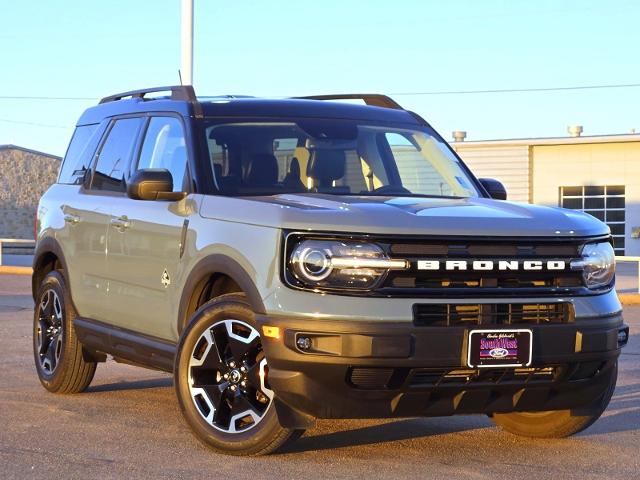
127	425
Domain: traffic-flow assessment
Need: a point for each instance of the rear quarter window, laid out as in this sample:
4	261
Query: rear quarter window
79	155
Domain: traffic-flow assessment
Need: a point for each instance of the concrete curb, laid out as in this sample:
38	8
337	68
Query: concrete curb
11	270
629	298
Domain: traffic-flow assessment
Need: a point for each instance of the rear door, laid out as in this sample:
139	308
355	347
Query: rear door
82	238
146	240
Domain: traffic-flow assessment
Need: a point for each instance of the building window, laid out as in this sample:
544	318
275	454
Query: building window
606	203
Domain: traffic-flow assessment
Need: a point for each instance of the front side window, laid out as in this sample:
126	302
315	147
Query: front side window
164	147
340	157
114	156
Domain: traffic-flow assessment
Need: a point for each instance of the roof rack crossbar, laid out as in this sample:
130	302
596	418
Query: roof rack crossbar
178	92
373	99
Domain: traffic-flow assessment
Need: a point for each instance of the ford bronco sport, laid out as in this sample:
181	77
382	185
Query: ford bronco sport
303	258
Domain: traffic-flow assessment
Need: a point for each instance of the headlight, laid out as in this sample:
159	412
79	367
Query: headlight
598	264
338	264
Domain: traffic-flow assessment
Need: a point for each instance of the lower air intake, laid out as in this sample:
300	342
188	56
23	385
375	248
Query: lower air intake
450	314
374	378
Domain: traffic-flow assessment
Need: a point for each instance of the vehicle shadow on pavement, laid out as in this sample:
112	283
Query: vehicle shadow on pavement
15	303
623	413
137	385
406	429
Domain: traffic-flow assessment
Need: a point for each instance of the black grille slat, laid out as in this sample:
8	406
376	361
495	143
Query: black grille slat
449	314
375	378
476	281
492	250
492	376
419	249
486	248
442	378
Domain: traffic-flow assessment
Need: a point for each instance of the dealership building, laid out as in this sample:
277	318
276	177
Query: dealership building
599	175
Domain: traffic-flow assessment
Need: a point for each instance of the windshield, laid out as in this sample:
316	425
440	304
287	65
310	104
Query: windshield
337	157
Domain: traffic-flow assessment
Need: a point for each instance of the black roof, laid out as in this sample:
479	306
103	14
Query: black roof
184	102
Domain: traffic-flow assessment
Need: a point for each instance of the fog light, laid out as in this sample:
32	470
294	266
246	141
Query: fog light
304	343
623	337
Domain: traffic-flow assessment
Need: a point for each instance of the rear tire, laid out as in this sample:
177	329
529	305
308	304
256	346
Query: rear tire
61	362
557	423
221	381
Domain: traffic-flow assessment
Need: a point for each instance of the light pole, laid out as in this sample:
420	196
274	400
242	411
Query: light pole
186	70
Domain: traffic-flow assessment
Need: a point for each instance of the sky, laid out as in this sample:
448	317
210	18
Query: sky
90	49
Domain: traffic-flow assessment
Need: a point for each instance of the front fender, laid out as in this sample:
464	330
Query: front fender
217	263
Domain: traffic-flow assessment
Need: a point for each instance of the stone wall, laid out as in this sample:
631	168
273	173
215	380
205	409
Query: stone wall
24	176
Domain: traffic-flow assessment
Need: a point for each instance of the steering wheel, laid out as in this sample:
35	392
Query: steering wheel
390	190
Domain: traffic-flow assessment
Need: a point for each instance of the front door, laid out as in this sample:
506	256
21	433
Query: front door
145	239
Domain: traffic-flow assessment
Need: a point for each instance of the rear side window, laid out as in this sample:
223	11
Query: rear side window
114	157
164	147
79	155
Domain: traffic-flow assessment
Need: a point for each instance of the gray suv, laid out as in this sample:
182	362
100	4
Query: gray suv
304	258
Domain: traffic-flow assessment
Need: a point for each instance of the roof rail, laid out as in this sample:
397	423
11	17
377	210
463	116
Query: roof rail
178	92
373	99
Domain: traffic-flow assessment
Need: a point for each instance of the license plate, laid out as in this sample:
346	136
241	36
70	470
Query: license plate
499	348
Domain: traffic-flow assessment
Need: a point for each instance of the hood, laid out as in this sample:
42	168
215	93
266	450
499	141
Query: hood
403	215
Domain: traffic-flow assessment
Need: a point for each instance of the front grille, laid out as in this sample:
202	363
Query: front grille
452	314
496	281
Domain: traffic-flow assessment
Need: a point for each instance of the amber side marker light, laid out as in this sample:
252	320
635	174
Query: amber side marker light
271	332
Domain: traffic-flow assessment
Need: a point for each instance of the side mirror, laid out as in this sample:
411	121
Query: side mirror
494	188
153	184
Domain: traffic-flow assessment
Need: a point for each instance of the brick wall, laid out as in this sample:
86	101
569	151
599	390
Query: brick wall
24	177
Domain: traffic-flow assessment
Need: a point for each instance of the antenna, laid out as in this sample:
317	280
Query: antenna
180	77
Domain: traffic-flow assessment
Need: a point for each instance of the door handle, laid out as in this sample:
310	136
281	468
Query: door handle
71	219
121	223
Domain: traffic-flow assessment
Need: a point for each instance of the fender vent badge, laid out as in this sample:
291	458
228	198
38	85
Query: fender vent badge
165	279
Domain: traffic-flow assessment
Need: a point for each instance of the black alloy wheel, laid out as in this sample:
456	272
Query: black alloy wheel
49	331
221	376
227	377
62	363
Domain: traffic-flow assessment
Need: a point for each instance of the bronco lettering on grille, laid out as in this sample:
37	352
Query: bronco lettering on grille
487	265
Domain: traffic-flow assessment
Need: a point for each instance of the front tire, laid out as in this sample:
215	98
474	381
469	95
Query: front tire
60	359
557	423
221	380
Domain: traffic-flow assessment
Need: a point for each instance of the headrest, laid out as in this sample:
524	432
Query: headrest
326	165
262	170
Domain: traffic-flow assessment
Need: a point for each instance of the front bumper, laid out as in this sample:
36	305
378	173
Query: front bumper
395	369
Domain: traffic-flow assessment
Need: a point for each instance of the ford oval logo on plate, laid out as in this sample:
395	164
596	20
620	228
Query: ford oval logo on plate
499	352
500	348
